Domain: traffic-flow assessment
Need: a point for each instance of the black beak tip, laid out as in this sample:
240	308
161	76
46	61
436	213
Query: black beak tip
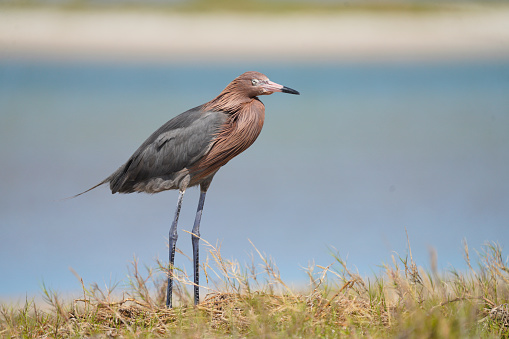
289	90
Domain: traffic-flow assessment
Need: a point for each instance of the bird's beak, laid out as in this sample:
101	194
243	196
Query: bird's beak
272	87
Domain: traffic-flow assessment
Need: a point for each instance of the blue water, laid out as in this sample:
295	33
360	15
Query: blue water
366	151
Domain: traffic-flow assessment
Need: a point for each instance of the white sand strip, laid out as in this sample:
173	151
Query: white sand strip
150	36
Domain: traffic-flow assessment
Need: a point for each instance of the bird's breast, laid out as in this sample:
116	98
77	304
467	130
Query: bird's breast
239	132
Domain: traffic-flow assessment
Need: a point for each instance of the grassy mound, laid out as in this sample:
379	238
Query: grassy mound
252	301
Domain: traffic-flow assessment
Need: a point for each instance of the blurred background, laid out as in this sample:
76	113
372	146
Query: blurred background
402	123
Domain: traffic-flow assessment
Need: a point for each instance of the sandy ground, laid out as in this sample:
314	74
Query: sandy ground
230	37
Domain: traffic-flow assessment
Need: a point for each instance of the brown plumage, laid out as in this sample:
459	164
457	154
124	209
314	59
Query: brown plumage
189	149
238	133
244	124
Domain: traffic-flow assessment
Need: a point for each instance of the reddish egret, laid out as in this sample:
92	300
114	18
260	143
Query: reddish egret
189	149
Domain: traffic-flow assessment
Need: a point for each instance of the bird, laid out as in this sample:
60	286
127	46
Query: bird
189	149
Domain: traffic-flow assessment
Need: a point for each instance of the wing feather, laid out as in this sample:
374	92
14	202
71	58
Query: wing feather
176	145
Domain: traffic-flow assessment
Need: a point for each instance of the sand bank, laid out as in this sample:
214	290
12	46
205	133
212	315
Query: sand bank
150	36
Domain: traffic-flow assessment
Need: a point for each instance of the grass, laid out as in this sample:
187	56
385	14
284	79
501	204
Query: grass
252	300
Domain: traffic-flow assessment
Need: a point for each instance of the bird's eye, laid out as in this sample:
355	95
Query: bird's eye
254	82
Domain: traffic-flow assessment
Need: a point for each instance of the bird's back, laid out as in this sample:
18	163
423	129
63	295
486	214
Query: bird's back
164	159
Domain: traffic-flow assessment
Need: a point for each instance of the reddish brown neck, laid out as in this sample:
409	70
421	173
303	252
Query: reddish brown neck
229	100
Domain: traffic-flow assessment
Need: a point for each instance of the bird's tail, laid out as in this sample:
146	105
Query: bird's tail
99	184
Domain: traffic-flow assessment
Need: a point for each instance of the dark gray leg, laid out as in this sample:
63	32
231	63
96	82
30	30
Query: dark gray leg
196	248
204	186
172	244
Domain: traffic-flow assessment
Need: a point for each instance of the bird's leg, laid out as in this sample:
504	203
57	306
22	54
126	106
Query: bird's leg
172	244
204	186
196	247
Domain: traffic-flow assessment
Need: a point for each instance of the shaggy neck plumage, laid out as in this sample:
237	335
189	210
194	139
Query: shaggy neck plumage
230	100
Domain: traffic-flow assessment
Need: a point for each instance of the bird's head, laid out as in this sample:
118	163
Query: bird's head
244	89
253	84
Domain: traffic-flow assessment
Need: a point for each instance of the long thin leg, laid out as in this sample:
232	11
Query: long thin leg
172	244
196	247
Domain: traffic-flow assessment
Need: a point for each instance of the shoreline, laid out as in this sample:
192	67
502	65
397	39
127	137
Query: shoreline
203	38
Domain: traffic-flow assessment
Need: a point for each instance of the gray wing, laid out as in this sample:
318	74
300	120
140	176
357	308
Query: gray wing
176	145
